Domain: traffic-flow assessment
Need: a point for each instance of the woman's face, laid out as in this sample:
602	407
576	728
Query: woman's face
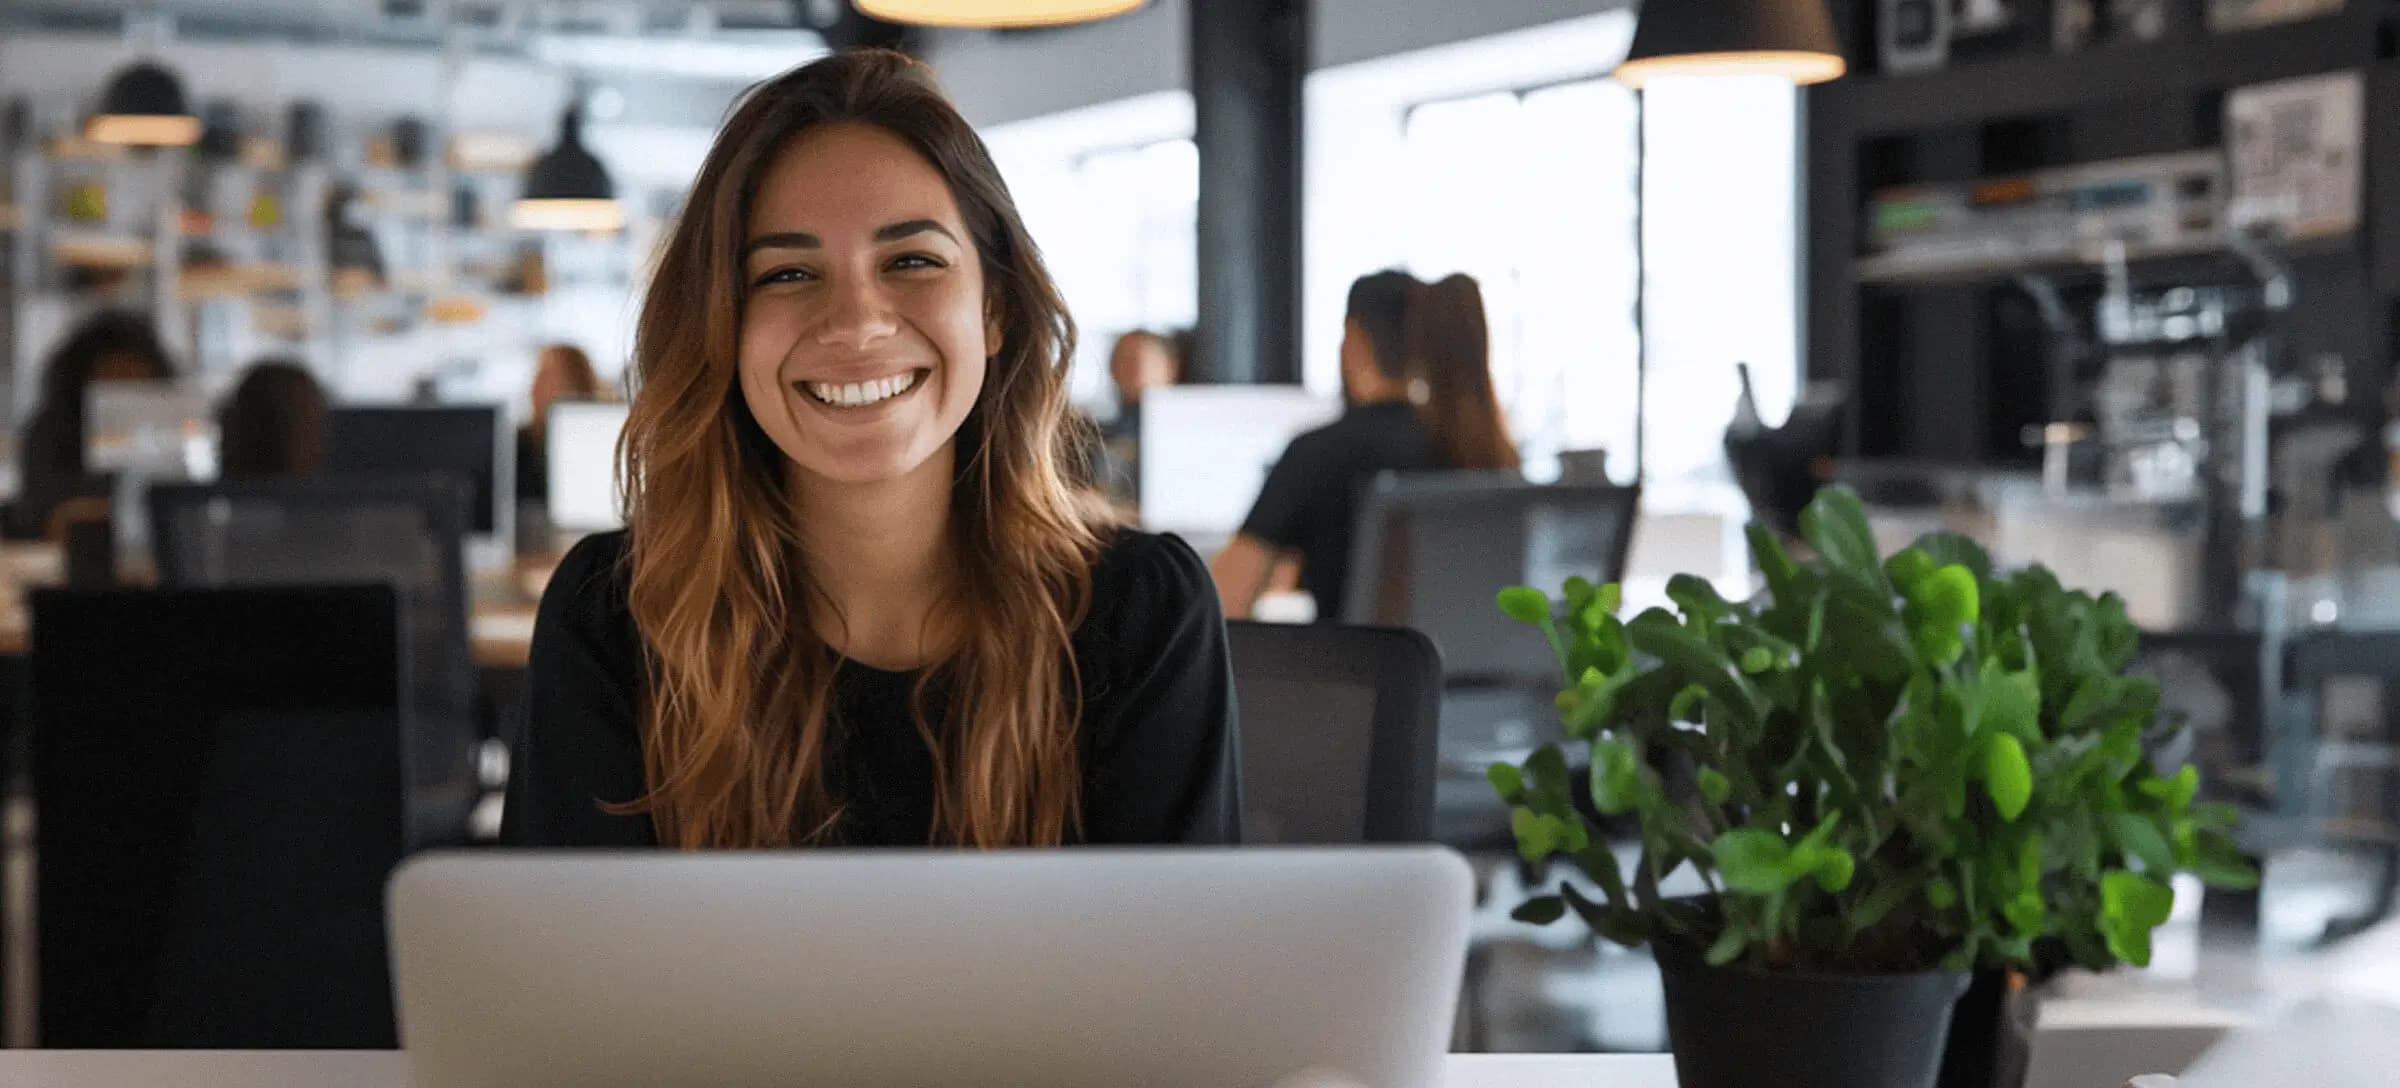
866	331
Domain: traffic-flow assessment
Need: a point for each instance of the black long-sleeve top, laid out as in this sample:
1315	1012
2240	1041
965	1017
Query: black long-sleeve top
1160	745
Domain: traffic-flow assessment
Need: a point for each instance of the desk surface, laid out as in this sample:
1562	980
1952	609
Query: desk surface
383	1069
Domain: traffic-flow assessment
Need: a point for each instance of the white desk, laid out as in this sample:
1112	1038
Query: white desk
383	1069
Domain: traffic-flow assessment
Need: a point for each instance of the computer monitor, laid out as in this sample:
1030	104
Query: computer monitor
157	430
580	444
1206	451
468	441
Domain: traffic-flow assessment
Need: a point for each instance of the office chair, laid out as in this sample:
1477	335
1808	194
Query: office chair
1431	552
409	531
1338	731
217	777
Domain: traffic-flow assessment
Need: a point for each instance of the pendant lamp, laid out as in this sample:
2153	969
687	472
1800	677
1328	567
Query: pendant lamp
1789	38
144	106
567	188
994	13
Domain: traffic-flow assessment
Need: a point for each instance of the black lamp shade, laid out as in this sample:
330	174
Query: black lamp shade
144	104
567	188
1791	37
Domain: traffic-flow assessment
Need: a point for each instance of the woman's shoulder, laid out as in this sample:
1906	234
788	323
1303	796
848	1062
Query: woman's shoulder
587	590
1137	564
1145	582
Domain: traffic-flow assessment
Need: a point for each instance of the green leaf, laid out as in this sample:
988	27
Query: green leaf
1580	592
1525	605
1540	910
2025	913
1508	781
2177	792
1951	549
1940	606
2139	837
1616	777
1729	946
1835	523
2131	905
1941	894
1833	868
1537	835
1755	861
1630	928
1714	786
2218	863
2012	701
1878	905
2007	775
1785	580
1908	567
1756	660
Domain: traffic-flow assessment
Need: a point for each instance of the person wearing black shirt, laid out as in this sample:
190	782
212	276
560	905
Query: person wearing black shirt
857	602
1312	493
1416	371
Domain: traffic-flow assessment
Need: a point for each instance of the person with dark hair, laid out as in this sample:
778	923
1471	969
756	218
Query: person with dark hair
274	423
1449	351
109	346
859	600
1312	494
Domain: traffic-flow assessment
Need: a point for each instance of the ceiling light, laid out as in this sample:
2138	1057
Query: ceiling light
1789	38
994	13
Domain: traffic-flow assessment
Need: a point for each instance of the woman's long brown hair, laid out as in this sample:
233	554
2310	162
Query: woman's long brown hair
1449	348
739	707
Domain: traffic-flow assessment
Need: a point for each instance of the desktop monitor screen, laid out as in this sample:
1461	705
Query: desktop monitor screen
1206	451
162	430
580	444
460	440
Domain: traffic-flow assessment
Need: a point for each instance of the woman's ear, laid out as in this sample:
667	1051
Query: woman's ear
993	333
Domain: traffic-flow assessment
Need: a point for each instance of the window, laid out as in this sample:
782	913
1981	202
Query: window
1119	230
1533	194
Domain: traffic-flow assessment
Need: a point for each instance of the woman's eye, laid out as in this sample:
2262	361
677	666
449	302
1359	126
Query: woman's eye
915	261
783	275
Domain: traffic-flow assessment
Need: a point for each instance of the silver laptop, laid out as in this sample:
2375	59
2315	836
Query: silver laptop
1092	968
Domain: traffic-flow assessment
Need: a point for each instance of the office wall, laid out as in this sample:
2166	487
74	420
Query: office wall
999	78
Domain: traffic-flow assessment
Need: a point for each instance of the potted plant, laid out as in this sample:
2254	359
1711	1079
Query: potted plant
1886	774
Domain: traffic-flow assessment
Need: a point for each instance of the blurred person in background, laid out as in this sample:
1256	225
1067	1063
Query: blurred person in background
110	346
1416	376
561	372
1139	361
273	426
1311	496
1449	349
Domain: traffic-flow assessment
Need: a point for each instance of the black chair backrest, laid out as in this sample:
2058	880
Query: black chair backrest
1339	725
409	531
1433	549
218	798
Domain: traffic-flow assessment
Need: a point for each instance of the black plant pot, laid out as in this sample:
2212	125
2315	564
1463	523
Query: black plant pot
1734	1028
1991	1033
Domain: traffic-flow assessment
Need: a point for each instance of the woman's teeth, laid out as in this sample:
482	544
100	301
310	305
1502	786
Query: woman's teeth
861	394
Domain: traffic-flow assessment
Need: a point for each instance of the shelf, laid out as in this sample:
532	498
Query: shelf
86	250
2043	83
1900	270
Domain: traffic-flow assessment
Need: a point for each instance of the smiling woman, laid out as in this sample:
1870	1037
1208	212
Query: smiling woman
858	601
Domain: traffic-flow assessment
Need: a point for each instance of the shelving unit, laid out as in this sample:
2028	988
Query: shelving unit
1921	341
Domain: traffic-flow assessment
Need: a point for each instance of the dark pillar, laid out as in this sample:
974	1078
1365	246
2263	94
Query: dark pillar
1248	57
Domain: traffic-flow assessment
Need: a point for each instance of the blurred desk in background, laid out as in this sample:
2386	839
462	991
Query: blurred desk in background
501	626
